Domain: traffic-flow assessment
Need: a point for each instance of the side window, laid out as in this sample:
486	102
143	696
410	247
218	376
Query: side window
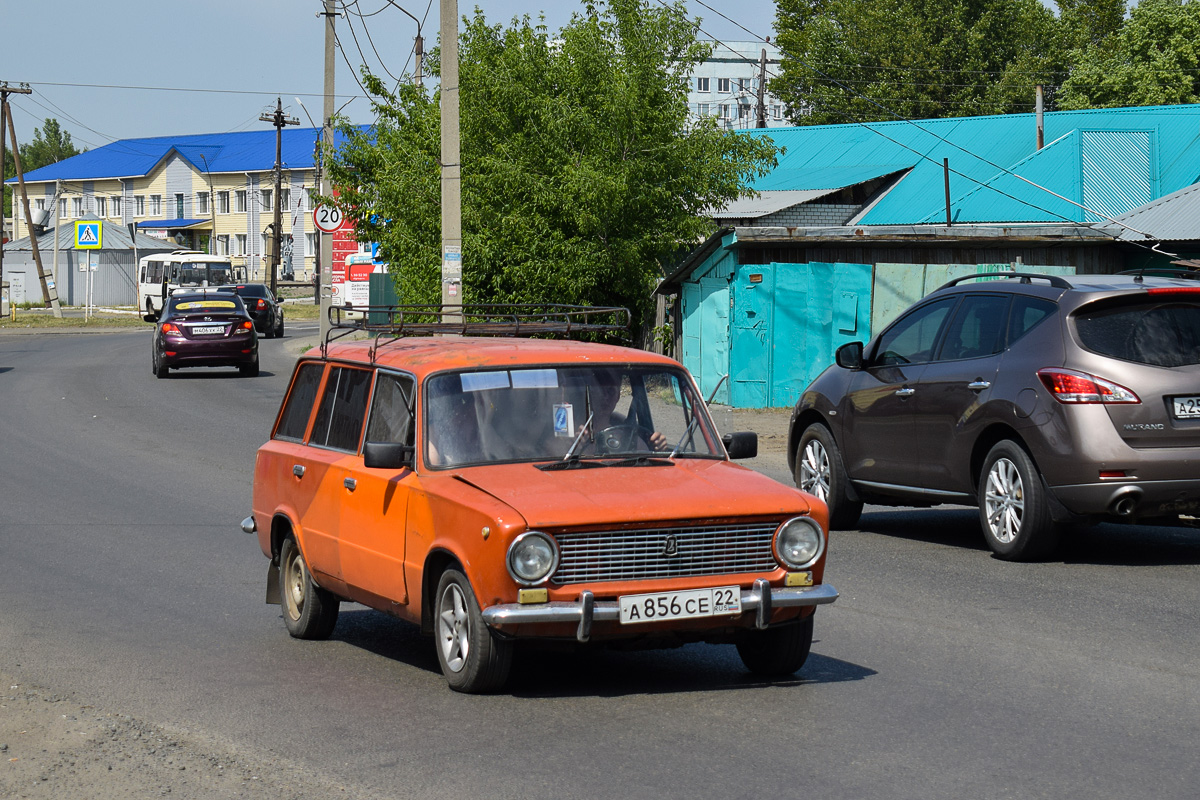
299	403
911	340
977	328
340	416
391	420
1027	312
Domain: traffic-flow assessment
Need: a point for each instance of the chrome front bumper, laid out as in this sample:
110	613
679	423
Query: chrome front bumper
761	598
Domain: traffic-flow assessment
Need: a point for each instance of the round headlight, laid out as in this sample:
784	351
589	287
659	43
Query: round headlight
532	557
799	542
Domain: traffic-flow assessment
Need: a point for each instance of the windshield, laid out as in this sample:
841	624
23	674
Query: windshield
542	413
196	272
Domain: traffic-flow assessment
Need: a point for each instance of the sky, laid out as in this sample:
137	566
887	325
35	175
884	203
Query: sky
135	68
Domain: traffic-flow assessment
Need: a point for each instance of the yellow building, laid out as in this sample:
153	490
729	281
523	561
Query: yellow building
209	192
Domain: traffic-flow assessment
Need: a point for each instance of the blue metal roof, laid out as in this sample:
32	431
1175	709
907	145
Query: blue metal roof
1110	160
157	224
245	151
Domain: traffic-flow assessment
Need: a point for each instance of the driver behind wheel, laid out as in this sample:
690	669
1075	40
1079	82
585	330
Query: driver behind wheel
613	433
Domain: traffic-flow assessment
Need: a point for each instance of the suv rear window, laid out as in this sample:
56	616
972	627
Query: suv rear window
1155	333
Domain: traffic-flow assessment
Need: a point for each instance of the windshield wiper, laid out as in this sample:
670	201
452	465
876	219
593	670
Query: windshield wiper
587	426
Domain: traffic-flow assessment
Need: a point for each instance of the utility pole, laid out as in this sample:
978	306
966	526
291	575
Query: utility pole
49	291
325	259
762	88
451	166
279	121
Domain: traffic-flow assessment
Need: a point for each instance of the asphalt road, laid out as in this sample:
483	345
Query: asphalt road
939	673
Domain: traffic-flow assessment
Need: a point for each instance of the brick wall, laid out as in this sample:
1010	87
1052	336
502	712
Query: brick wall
810	215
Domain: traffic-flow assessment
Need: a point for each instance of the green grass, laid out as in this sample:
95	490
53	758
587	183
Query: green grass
45	319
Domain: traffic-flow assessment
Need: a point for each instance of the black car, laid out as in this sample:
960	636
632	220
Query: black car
205	329
1043	400
264	308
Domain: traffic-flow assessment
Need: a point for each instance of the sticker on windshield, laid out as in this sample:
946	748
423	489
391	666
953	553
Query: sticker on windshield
535	379
482	381
204	304
564	421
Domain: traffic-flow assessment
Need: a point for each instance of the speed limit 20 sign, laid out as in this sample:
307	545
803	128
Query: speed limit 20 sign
328	219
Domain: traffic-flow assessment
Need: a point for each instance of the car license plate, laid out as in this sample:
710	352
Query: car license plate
680	605
1186	407
206	330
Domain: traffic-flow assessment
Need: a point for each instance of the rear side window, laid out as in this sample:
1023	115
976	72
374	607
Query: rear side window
977	328
299	403
340	416
1026	313
1158	334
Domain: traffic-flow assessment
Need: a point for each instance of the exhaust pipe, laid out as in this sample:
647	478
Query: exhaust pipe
1125	502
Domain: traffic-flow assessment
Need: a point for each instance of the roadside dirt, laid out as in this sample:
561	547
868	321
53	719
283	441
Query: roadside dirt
53	747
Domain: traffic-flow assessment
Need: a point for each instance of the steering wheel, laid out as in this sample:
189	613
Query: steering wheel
620	438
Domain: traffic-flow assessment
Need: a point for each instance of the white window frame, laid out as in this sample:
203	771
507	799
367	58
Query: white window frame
223	202
702	84
310	243
139	205
223	244
156	205
114	205
239	243
62	208
76	207
702	109
179	205
239	201
265	197
723	85
285	199
202	203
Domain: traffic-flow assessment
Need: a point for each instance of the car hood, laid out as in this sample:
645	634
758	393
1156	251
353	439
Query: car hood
695	489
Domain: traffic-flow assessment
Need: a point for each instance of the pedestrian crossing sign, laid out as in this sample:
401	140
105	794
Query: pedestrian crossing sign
87	235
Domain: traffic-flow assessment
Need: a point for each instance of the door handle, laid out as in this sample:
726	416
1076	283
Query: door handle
298	470
905	392
350	483
979	386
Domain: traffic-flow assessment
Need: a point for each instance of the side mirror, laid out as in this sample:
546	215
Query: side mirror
387	455
150	317
743	444
849	355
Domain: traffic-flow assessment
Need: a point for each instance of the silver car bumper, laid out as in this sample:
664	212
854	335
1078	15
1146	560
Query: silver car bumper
761	598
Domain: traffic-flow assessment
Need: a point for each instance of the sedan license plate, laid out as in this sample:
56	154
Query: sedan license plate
1186	407
680	605
207	330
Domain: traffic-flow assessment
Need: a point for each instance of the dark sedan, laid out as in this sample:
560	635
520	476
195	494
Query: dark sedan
262	305
205	329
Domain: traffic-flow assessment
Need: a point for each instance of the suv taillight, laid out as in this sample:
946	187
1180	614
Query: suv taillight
1069	386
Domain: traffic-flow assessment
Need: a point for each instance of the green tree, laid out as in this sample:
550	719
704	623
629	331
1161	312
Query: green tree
582	176
50	145
862	60
1153	59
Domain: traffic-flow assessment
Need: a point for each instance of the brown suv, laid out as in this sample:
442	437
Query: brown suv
1040	399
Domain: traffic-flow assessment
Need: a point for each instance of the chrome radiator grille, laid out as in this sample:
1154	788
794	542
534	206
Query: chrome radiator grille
630	555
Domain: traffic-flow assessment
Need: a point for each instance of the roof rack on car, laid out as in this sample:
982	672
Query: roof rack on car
1056	281
517	320
1163	272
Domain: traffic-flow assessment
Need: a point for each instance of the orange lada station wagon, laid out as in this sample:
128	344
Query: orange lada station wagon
469	473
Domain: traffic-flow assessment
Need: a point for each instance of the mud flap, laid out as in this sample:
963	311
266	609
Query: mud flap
273	596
